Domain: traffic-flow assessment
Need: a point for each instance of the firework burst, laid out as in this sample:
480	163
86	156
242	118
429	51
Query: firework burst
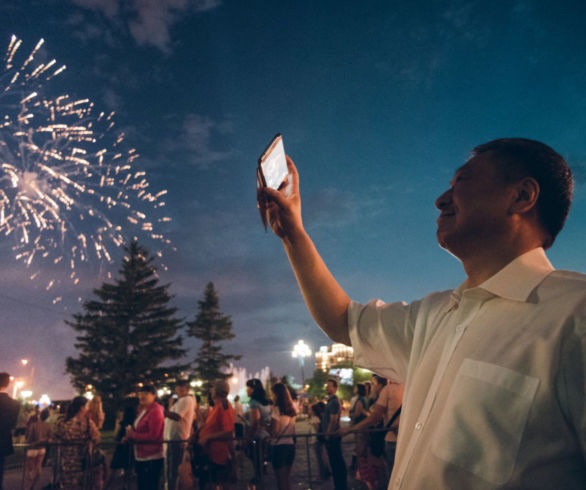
69	192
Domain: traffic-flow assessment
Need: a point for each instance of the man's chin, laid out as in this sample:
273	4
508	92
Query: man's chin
447	243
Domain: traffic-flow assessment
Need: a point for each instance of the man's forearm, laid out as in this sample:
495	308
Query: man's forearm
172	415
372	419
326	300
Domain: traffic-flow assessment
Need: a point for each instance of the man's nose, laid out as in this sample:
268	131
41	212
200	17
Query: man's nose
444	200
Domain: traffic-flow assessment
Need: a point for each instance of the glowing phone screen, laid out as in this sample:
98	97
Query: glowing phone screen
274	164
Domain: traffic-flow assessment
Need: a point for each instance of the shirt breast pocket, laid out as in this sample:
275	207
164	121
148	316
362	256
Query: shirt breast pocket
482	424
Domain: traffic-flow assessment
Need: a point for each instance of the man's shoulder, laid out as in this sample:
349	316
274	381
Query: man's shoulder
8	403
562	284
572	278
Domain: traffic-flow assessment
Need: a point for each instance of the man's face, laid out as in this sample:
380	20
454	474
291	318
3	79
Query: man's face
474	210
330	388
181	391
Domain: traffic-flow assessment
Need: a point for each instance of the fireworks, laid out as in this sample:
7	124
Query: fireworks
69	192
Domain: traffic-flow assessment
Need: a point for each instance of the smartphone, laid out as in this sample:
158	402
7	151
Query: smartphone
272	164
271	171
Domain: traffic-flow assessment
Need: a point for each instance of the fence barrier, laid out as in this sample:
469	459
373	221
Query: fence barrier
249	464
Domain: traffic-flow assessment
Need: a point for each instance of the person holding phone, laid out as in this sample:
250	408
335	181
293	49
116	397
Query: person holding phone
494	369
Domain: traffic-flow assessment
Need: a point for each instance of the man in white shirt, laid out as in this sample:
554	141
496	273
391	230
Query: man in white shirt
178	422
494	370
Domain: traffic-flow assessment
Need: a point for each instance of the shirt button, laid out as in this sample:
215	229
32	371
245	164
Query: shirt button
459	329
418	426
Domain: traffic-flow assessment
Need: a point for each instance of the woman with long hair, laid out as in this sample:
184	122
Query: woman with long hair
96	412
283	431
77	432
123	458
358	413
375	471
259	423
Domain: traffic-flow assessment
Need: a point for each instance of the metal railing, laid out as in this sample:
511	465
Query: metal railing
249	459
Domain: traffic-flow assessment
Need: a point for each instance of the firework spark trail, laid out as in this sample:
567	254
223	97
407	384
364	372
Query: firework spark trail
68	189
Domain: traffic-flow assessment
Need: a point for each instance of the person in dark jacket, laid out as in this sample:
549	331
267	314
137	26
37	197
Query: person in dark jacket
8	416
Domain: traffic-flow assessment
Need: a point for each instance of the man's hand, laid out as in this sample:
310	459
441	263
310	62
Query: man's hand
283	205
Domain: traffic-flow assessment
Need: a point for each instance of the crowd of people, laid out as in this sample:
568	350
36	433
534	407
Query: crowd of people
197	444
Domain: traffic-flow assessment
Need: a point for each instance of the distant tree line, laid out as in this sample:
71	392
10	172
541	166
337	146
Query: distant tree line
130	334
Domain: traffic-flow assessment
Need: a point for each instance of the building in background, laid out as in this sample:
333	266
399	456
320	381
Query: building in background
329	356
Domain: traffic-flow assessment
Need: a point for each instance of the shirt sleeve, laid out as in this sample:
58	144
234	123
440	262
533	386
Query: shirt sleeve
381	335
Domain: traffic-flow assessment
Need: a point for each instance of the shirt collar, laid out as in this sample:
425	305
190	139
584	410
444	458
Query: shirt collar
516	280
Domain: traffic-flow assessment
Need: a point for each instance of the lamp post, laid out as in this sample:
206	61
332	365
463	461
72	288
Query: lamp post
300	351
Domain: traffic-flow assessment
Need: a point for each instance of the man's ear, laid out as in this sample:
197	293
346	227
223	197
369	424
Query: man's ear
526	194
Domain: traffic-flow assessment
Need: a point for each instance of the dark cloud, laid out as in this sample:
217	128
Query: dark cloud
148	21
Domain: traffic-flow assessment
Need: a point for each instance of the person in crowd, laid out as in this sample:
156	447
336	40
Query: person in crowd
330	424
76	434
317	410
358	412
259	423
391	402
292	392
372	467
215	439
178	425
238	418
354	463
37	438
56	412
32	417
495	368
123	458
9	409
96	412
283	432
147	434
369	394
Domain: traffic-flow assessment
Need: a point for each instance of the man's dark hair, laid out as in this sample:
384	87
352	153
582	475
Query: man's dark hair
519	158
4	380
333	381
148	388
182	382
361	389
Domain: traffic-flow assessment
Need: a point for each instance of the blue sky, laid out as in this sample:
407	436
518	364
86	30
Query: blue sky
378	103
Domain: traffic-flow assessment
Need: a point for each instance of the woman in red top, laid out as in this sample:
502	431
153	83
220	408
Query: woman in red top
148	427
216	436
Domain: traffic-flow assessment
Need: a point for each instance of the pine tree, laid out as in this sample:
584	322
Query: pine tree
129	334
211	327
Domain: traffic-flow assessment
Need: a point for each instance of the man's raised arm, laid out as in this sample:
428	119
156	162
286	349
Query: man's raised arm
325	298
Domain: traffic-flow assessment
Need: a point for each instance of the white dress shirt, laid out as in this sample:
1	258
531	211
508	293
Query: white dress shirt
494	379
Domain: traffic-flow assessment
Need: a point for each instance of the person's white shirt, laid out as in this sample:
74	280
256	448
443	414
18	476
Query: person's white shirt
494	379
180	430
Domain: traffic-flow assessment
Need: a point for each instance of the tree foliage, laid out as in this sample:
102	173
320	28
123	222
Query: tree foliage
211	327
129	334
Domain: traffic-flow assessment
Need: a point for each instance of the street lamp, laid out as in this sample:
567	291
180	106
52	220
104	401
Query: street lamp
300	351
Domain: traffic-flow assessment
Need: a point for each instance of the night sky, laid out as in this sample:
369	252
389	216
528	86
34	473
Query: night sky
378	104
